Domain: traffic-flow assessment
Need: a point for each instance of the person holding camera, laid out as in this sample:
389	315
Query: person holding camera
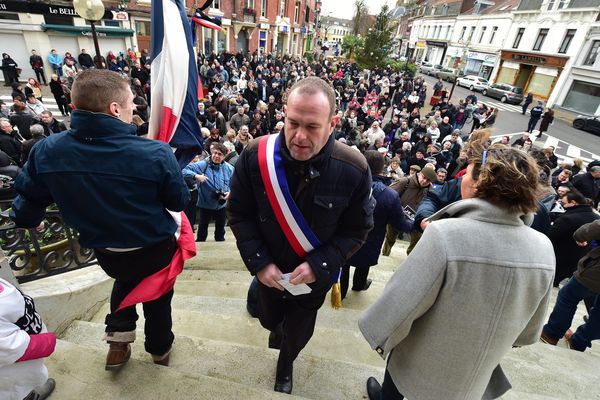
212	175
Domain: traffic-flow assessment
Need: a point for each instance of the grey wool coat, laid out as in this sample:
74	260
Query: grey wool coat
477	283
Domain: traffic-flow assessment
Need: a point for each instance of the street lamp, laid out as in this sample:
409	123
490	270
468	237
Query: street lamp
92	11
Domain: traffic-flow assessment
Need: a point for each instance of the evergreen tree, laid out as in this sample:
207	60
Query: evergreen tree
378	42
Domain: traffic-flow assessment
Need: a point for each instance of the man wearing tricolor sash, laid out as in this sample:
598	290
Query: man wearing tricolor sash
116	189
299	207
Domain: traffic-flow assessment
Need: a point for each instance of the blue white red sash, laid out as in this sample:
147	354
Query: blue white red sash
295	228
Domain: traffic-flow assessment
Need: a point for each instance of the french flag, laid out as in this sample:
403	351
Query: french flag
174	81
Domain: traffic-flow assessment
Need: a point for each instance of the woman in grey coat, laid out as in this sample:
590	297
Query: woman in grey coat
458	304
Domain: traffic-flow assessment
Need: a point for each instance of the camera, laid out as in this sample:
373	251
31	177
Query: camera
219	195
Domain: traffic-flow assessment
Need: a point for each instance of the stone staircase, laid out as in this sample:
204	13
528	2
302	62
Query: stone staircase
221	352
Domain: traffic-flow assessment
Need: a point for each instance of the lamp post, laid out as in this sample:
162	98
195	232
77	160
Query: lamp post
92	11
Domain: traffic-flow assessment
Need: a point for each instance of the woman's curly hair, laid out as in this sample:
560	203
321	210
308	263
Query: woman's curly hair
505	176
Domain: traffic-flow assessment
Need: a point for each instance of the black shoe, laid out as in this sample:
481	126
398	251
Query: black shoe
373	389
367	285
220	240
283	377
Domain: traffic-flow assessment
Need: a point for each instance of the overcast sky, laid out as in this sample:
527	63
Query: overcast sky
345	8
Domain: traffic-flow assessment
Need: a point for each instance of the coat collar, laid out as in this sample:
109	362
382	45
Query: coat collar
312	166
481	210
89	125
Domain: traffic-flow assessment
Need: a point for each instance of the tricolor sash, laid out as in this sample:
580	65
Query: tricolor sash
160	283
295	228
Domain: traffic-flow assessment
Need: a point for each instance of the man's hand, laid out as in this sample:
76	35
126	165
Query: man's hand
302	274
582	244
269	276
201	178
424	224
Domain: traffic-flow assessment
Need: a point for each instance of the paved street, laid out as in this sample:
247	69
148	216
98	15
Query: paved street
570	142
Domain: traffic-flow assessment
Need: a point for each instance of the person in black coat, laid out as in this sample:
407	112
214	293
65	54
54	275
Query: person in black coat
9	69
388	210
577	213
59	94
9	144
589	184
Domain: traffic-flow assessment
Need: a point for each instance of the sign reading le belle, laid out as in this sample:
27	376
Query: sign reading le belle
41	8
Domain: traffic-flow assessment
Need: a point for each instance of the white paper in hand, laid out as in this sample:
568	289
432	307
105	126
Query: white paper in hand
294	290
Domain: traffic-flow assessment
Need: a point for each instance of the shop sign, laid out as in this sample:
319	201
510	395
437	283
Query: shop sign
488	59
454	51
436	44
120	15
529	58
41	8
264	26
421	44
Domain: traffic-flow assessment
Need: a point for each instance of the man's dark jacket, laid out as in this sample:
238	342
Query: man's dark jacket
111	185
588	186
566	250
54	127
588	268
388	210
332	191
11	146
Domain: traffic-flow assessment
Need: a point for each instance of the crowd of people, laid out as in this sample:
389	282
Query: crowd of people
422	153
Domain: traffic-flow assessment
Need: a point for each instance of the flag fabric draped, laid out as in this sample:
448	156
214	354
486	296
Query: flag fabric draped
174	81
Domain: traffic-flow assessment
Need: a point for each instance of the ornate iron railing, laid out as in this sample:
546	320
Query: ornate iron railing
53	250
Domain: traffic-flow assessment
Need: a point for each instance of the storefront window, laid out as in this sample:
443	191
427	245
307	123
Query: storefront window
208	40
507	75
222	40
142	28
583	97
262	41
540	84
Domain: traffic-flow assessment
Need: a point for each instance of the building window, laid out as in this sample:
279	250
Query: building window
216	4
263	8
142	28
518	38
282	6
471	33
296	12
539	42
483	29
563	4
590	59
567	41
551	4
112	23
249	3
9	17
462	33
493	34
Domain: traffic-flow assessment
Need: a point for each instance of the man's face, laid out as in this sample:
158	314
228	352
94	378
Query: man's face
216	156
244	131
201	107
6	127
31	100
419	155
308	124
46	118
563	177
423	181
125	110
446	120
562	191
240	110
33	52
565	202
441	176
596	174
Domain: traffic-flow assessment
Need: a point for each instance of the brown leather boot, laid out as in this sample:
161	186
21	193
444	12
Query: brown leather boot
547	339
118	355
162	360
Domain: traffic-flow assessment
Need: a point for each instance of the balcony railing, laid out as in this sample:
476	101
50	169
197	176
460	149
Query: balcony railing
33	255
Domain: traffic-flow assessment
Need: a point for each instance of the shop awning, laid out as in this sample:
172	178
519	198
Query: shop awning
87	30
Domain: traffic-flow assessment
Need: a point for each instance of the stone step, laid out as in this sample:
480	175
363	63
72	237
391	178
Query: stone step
327	342
79	374
234	284
314	377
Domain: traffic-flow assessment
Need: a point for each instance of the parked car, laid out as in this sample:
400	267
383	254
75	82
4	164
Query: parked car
446	74
506	93
473	82
429	68
587	123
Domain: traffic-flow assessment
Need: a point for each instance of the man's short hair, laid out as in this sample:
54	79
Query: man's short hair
575	196
375	161
36	129
220	147
313	85
95	89
595	168
46	112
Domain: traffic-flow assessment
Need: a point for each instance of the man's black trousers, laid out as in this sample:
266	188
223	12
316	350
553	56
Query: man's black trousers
128	269
296	318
